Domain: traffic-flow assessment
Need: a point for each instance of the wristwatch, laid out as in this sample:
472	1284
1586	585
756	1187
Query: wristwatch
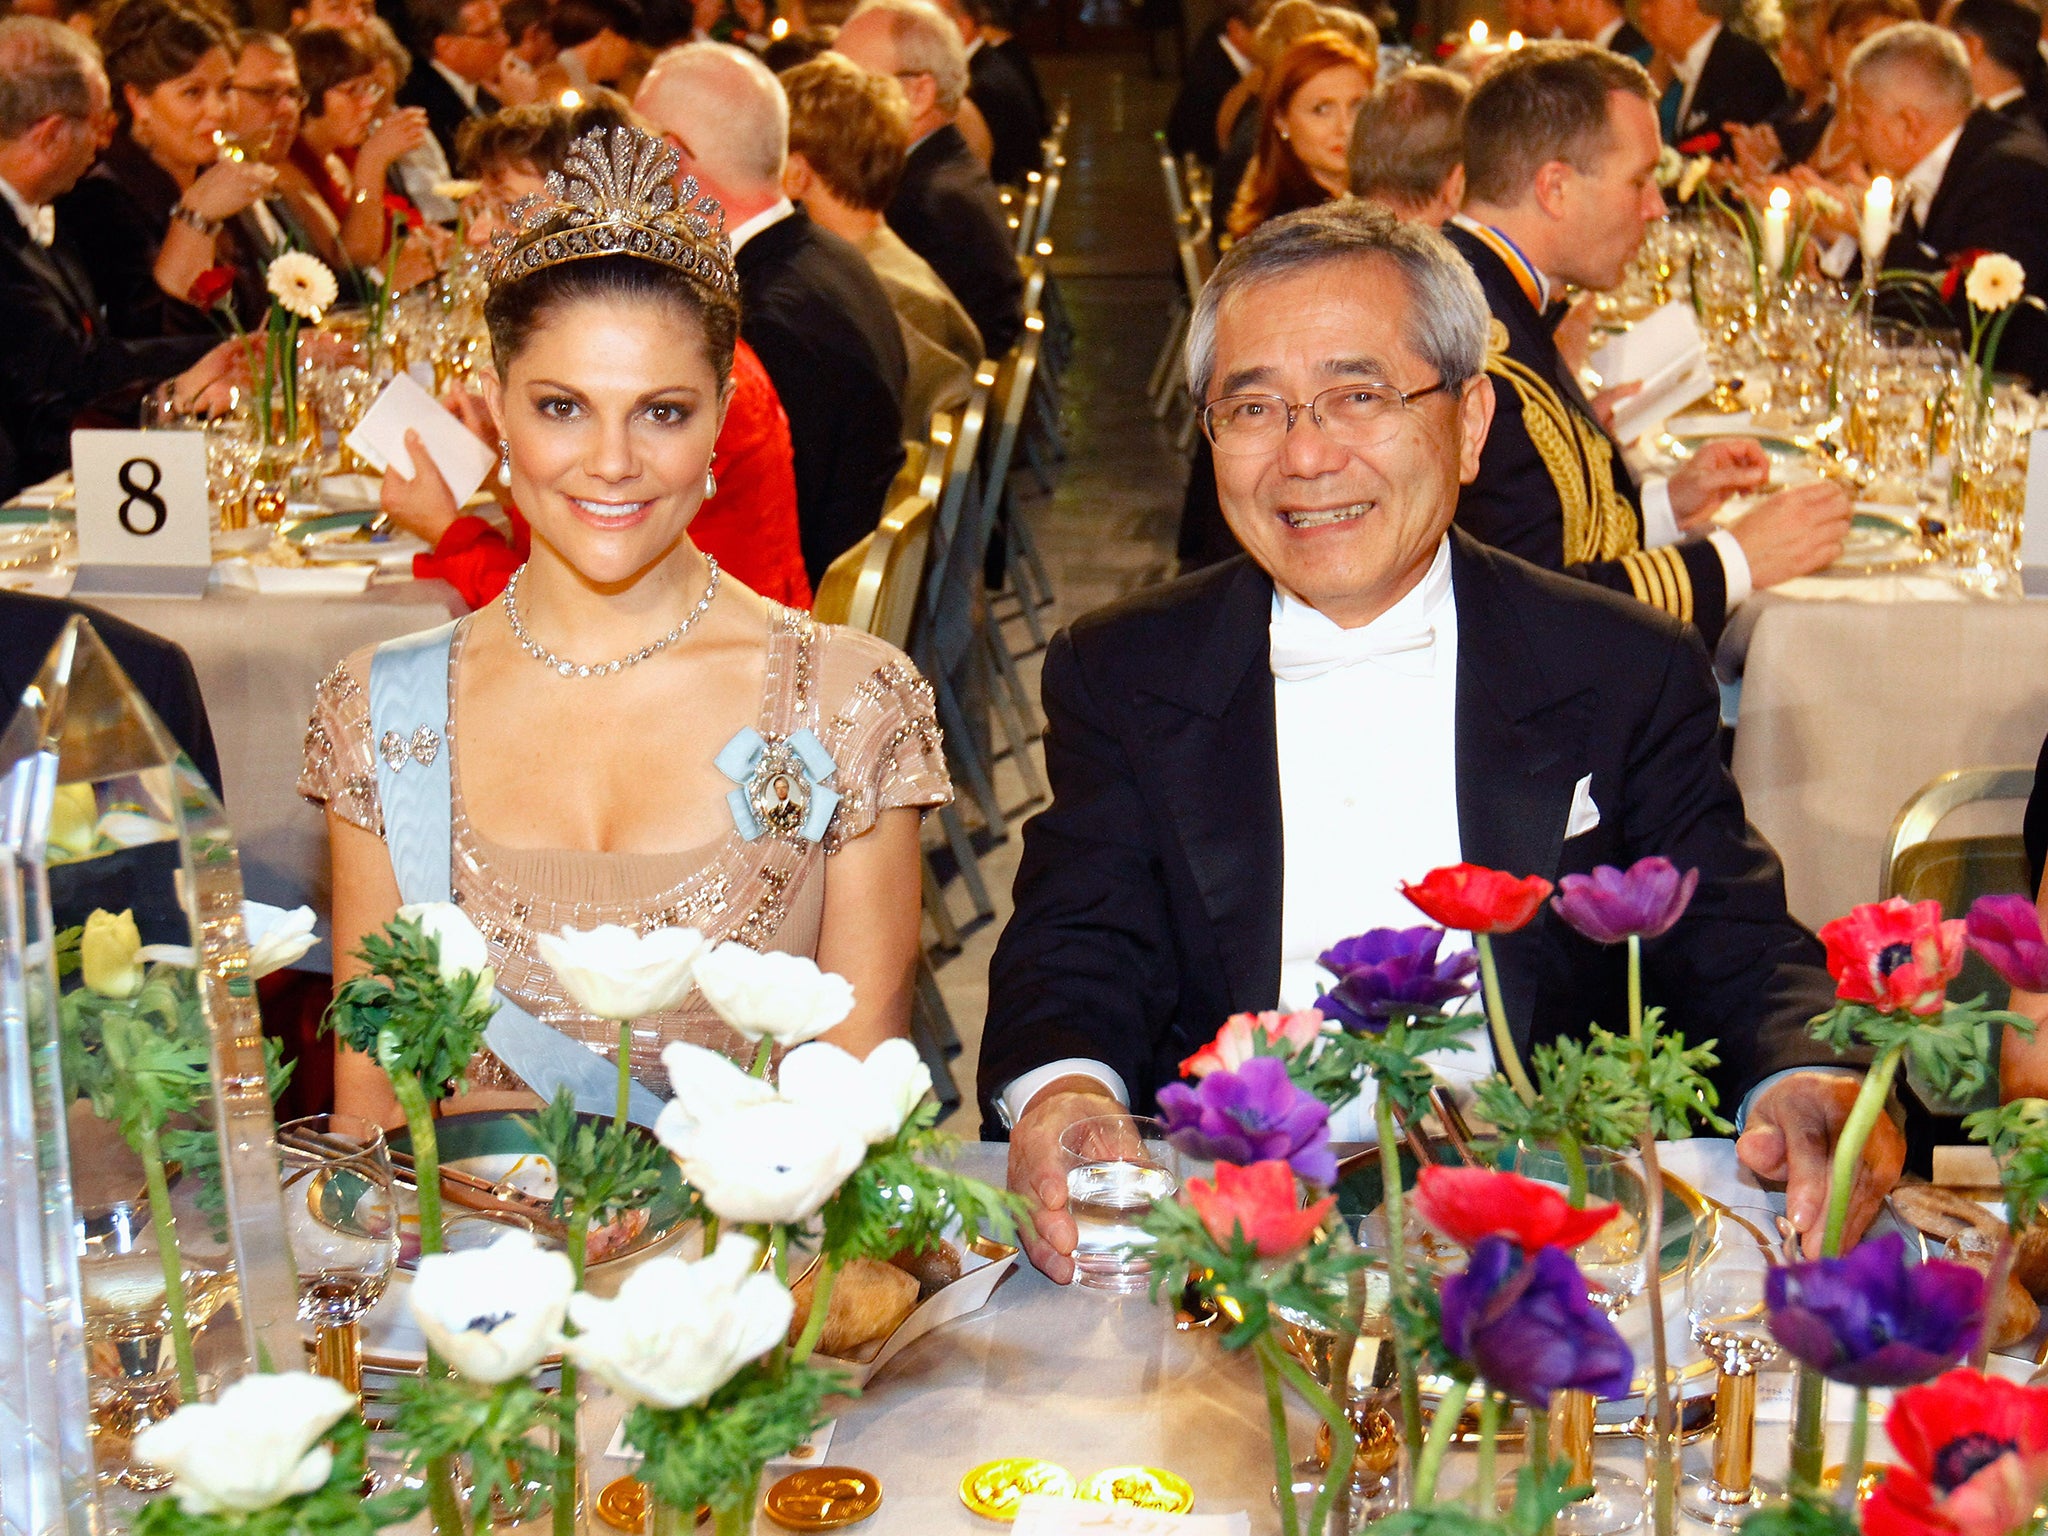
194	220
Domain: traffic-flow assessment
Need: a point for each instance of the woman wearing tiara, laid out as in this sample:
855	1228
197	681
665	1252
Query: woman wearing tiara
627	736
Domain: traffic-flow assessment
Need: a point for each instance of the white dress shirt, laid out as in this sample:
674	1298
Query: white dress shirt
1924	180
1605	36
1366	731
1235	54
40	220
745	230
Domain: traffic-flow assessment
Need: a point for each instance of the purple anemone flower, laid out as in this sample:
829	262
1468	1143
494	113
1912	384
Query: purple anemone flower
1390	970
2006	931
1252	1115
1870	1319
1611	904
1527	1327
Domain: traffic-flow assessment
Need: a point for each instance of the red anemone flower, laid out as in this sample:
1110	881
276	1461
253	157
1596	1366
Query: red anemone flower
1467	1204
1478	899
1894	955
211	286
1259	1202
1975	1454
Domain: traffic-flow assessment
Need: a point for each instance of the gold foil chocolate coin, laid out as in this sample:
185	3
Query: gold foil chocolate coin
823	1498
623	1503
995	1488
1142	1487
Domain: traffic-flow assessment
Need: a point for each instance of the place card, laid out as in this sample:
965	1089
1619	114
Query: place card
1041	1515
143	513
379	438
1665	354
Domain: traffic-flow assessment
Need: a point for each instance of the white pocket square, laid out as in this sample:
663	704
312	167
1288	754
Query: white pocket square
1585	814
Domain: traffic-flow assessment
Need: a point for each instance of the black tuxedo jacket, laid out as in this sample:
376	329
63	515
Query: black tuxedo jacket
60	352
1628	40
116	218
814	311
446	111
1205	80
1991	198
1739	83
1552	485
1013	49
1016	126
946	210
1148	901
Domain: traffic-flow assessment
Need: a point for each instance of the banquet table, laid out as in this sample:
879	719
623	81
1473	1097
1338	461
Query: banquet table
259	659
1851	705
1091	1381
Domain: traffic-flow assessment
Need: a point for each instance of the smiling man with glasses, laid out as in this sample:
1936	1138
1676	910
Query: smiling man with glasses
1246	764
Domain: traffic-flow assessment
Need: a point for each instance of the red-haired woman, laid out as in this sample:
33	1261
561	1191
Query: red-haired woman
1316	88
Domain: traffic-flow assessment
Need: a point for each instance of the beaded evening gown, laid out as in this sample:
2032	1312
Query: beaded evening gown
869	709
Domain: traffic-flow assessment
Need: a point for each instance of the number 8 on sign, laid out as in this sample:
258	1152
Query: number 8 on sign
157	512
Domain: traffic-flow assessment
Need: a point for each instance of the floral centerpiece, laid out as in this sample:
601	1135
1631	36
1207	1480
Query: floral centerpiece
302	289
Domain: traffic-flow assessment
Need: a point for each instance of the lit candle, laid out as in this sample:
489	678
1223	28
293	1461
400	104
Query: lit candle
1478	34
1776	216
1877	224
1515	41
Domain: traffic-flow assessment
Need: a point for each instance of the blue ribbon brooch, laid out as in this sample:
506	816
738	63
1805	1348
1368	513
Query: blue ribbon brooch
780	784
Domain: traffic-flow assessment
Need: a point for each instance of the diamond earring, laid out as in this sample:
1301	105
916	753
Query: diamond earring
504	462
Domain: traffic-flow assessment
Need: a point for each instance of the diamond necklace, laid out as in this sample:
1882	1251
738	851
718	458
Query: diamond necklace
556	664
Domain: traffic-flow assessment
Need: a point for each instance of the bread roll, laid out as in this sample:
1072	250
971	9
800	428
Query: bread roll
868	1300
2013	1313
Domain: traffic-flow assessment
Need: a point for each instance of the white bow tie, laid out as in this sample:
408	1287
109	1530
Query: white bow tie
42	225
1305	644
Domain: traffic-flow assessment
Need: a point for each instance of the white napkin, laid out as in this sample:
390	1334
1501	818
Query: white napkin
1664	353
293	581
1040	1515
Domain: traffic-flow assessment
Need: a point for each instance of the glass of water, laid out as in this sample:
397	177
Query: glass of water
1117	1166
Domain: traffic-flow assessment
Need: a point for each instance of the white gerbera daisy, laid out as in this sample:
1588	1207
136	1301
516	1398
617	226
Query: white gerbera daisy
301	283
1995	282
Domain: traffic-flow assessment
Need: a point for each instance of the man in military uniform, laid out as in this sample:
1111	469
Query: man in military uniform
1561	147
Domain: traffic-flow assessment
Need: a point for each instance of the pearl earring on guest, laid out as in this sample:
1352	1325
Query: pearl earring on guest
504	462
710	479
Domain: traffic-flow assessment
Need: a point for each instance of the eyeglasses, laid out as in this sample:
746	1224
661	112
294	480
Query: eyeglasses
271	95
1353	415
364	88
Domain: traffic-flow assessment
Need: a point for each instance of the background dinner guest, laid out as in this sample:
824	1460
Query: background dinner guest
998	21
749	526
812	308
945	207
1199	851
1717	75
1311	97
2003	39
426	166
462	42
265	101
848	132
596	43
583	797
344	151
1221	57
1604	22
1968	179
159	206
349	15
1408	145
60	352
1561	152
1016	121
526	25
1792	133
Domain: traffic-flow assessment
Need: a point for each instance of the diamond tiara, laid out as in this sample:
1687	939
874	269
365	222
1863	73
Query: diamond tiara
616	195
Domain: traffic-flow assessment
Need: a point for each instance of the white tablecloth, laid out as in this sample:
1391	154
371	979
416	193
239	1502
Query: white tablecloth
258	660
1091	1382
1849	707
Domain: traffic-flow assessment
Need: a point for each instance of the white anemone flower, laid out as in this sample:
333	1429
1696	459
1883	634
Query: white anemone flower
678	1331
493	1313
277	937
458	946
255	1445
876	1094
616	973
772	995
301	283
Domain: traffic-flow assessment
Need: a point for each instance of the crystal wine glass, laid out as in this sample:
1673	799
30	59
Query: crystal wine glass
1724	1305
343	1217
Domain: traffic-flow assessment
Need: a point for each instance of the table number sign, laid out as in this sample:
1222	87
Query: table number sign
143	513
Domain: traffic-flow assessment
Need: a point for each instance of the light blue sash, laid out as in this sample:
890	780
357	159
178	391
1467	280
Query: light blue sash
409	735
